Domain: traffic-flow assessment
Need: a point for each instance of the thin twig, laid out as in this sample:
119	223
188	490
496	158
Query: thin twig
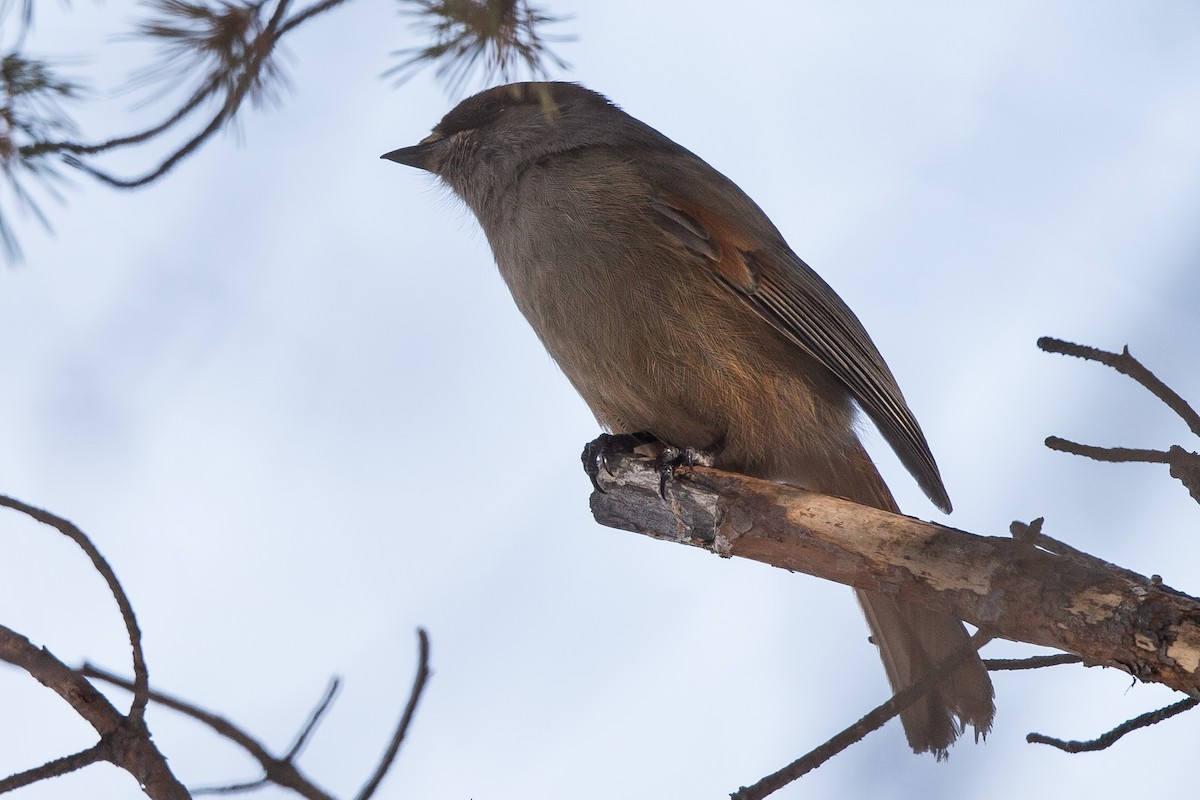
134	138
141	678
265	43
314	719
872	721
1126	364
233	788
418	687
1033	662
283	771
1032	535
278	771
1185	466
277	16
1110	738
167	165
1110	454
53	769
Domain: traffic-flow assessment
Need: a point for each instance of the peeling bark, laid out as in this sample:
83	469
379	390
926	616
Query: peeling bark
1015	588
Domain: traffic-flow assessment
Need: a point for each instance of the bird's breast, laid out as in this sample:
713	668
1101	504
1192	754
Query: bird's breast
643	328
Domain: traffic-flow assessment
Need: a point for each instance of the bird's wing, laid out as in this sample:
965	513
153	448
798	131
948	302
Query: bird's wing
711	216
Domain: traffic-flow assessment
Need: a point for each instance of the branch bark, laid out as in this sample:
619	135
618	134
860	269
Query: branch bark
124	742
1067	600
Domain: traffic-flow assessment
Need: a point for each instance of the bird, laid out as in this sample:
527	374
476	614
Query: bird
677	310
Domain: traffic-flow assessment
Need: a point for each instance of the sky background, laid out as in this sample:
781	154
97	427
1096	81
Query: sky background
288	395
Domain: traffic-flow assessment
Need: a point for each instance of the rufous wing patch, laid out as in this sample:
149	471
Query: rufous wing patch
724	243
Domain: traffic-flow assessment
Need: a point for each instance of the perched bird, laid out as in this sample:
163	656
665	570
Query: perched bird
676	309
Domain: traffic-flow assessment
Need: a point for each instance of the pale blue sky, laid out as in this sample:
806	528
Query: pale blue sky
289	397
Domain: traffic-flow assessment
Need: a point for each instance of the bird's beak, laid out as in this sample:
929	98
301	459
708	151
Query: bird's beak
419	155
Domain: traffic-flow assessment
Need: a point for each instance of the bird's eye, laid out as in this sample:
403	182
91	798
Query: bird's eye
490	108
469	115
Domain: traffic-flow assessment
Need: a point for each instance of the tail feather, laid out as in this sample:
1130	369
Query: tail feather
913	639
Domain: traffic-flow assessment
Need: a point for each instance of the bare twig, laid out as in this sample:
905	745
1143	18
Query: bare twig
1126	364
874	720
1110	454
309	727
124	739
232	788
37	148
1185	466
418	687
282	771
53	769
1033	662
279	771
141	678
162	169
1110	738
314	719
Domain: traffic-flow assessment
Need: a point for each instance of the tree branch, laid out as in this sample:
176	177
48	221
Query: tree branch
141	678
1126	364
873	720
389	755
1033	662
1185	465
283	771
1079	604
280	771
1110	738
1116	455
124	741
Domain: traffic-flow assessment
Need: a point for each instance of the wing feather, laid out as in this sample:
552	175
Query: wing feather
711	216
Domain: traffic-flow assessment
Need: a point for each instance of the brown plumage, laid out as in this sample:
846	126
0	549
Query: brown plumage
675	307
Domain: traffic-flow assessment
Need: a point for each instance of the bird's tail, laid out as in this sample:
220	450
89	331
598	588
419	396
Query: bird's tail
912	639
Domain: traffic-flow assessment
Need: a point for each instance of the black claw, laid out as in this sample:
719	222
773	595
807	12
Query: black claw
593	459
672	458
668	459
597	453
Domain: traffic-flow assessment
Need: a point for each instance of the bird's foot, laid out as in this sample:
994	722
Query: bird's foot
671	458
597	453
